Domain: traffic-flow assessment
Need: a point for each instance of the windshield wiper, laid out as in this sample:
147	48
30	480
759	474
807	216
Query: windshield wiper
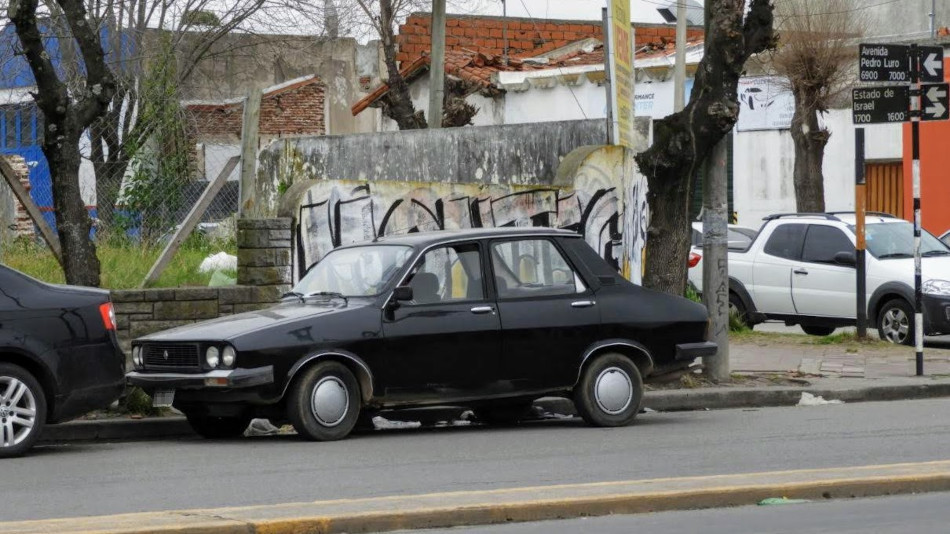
331	294
895	255
931	253
293	294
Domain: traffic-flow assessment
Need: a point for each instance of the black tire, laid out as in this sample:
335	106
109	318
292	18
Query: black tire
503	414
814	330
210	427
738	307
894	315
597	412
304	418
16	436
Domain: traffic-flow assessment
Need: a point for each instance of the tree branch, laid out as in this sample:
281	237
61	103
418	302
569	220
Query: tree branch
52	96
100	84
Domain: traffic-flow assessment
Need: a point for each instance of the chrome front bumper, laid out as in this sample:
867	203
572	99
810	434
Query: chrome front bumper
234	378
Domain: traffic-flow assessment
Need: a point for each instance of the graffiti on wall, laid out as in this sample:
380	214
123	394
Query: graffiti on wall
333	213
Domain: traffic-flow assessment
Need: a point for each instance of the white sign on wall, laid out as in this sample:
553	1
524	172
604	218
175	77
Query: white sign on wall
654	99
765	103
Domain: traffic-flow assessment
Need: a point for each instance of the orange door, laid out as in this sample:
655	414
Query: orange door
885	187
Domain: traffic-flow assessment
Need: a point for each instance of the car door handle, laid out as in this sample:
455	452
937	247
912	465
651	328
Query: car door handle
800	271
482	309
582	304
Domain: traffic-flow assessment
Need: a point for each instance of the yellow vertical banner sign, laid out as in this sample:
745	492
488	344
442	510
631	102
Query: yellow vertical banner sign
620	36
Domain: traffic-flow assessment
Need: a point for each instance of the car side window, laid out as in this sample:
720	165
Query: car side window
447	274
823	242
786	241
532	267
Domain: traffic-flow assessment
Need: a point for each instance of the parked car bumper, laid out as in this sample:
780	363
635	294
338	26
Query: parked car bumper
691	351
936	314
232	379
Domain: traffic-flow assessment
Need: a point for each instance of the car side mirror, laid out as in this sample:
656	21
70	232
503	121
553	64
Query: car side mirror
402	294
846	258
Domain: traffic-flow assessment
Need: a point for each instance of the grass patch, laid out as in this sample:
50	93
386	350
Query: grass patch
846	340
124	263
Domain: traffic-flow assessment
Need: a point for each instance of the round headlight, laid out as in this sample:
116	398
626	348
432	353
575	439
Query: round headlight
213	357
137	356
228	355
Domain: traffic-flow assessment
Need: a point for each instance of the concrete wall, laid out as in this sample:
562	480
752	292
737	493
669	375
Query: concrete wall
763	164
515	154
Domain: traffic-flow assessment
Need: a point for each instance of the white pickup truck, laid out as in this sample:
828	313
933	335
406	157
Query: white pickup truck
800	269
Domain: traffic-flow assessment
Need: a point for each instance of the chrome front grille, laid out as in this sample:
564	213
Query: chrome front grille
171	356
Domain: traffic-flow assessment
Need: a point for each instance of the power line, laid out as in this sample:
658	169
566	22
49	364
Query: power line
544	41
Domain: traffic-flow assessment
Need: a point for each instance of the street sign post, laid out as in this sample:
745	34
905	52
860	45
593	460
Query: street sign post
874	105
918	66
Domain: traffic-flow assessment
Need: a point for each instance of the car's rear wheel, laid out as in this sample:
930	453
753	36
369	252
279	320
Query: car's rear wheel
895	322
814	330
210	427
22	410
324	403
502	414
609	392
738	310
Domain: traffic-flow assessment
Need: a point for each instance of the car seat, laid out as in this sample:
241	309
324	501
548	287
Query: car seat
425	288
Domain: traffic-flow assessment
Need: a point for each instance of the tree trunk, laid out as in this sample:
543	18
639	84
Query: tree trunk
683	140
398	105
73	225
810	141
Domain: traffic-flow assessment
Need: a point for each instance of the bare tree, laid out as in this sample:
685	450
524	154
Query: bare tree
816	54
67	114
683	140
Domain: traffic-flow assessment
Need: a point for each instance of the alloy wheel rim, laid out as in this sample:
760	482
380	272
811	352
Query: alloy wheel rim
896	325
330	401
613	390
17	411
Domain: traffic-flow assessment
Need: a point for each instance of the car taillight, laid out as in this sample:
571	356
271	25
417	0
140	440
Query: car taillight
108	315
694	259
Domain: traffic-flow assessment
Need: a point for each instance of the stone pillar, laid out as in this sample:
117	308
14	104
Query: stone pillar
264	256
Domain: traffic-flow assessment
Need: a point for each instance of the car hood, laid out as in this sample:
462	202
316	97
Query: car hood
902	269
231	326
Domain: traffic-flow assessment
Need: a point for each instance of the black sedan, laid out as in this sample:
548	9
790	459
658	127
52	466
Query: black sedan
490	319
59	357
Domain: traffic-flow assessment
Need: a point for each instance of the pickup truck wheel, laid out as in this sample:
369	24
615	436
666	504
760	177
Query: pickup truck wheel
324	404
813	330
22	410
738	309
895	322
609	392
210	427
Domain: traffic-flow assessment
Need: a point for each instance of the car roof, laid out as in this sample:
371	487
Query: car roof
424	239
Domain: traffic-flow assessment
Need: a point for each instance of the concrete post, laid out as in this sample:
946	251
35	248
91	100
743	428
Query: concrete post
437	68
679	69
715	256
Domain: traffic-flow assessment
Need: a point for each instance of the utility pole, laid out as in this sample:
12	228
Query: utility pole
860	212
437	68
715	260
679	69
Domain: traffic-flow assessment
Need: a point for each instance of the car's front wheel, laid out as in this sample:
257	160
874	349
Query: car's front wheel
210	427
22	410
895	322
609	392
324	403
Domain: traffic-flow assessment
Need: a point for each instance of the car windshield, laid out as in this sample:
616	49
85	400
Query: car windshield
354	272
896	240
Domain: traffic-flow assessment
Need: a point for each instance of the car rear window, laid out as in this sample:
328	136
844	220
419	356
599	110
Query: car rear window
786	241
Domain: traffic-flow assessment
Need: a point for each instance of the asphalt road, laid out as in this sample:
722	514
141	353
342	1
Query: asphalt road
920	514
107	478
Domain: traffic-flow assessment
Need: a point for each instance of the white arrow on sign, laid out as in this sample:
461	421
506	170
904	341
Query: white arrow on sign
936	109
932	64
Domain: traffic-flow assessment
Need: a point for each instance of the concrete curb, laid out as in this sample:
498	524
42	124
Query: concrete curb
661	401
443	510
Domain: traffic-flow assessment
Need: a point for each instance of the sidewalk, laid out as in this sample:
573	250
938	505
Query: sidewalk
848	372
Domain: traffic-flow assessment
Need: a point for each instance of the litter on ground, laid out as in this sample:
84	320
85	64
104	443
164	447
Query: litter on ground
811	400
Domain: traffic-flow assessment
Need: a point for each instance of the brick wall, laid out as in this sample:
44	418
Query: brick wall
21	221
294	110
263	270
525	36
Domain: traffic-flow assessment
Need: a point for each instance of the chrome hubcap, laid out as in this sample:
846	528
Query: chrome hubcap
330	401
17	411
895	325
613	390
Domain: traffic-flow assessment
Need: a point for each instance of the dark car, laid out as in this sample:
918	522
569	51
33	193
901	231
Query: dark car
490	319
59	357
